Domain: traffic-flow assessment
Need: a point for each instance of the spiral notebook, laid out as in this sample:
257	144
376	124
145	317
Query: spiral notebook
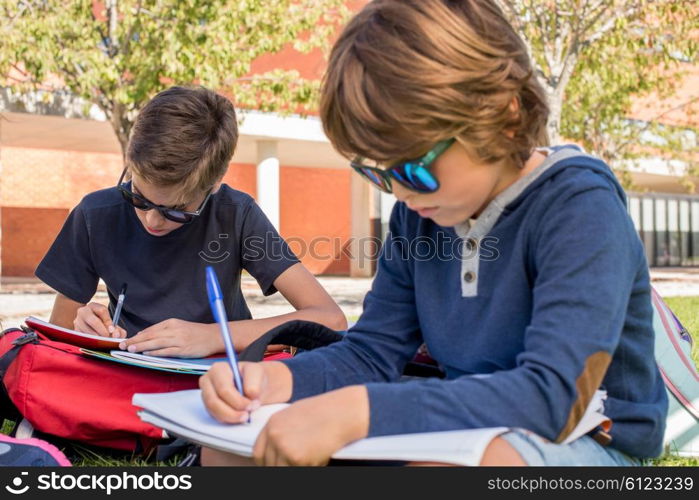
80	339
183	414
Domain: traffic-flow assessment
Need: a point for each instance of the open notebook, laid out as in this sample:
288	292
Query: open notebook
187	366
183	414
80	339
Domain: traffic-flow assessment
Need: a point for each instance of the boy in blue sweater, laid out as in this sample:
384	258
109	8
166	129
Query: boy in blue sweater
540	297
167	218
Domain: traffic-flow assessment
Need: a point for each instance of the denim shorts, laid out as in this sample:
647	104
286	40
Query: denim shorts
536	450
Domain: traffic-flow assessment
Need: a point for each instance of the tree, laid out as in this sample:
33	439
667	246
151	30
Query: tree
596	58
118	53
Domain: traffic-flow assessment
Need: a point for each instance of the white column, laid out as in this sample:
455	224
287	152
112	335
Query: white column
387	202
268	180
361	247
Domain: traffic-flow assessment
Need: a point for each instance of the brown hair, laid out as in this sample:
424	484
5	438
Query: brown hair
185	138
405	74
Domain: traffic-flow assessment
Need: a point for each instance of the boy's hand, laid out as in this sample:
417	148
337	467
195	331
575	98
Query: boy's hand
94	318
222	399
309	431
176	337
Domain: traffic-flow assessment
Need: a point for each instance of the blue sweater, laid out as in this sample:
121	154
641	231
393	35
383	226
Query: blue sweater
545	299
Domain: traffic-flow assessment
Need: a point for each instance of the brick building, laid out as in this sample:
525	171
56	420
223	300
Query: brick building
51	155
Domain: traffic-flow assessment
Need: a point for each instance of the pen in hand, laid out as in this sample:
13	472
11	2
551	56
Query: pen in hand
219	311
117	310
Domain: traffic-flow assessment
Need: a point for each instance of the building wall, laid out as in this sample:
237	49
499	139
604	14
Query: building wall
27	233
52	178
38	187
315	217
243	177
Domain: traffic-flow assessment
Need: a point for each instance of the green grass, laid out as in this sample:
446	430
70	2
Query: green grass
675	461
687	310
89	458
684	307
83	456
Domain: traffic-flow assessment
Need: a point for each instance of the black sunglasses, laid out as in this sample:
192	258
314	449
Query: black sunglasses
413	174
142	203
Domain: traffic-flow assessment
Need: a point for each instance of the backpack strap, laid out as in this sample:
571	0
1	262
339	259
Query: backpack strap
29	337
166	451
683	332
7	407
423	370
309	335
297	333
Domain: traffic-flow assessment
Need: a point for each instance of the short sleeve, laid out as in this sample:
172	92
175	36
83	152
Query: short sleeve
265	254
68	266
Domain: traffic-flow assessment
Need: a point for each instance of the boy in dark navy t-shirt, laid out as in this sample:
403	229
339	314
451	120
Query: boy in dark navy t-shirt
167	218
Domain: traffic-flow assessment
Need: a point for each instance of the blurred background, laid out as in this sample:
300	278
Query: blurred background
622	78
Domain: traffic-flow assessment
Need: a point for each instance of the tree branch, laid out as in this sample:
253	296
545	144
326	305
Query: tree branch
103	37
571	61
545	38
113	20
126	48
22	71
631	12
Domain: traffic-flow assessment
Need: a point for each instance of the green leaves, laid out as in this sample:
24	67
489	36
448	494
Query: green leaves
152	44
599	58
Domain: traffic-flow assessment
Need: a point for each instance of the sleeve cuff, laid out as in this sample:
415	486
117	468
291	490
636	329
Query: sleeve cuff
62	288
267	285
306	382
395	408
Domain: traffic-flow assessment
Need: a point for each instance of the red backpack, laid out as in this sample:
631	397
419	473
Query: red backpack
63	393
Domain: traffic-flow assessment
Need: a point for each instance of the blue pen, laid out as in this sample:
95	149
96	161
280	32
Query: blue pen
219	312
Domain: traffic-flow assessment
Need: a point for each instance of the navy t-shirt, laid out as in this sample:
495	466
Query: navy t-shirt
103	238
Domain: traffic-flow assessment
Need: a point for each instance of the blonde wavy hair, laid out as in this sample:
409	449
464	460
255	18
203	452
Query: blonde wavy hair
406	74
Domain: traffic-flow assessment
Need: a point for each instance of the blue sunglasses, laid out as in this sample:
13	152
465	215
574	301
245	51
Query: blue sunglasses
413	174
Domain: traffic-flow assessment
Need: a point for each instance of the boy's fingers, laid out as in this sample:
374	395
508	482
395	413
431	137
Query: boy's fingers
253	377
103	313
149	345
218	408
221	378
80	326
259	450
154	328
143	336
95	325
270	455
